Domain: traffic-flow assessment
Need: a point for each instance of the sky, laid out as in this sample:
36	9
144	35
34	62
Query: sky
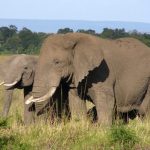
92	10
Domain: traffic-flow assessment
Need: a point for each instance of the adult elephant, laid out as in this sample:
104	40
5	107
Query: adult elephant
113	73
18	72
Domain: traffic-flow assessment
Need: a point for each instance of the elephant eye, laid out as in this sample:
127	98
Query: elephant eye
25	67
56	61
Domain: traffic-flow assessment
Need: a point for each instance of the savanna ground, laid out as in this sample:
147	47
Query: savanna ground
68	135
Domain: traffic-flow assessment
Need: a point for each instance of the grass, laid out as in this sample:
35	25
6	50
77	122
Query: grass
70	135
75	136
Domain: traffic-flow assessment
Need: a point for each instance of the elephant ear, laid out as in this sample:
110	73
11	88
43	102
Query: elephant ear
87	56
28	76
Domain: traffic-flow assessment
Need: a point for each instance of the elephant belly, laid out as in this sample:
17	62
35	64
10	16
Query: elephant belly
130	92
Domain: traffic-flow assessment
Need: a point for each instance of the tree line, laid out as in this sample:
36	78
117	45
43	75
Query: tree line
14	41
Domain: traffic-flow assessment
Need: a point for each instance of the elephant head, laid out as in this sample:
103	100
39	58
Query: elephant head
62	56
16	72
19	69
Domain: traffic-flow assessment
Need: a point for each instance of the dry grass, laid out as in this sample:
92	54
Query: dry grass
70	135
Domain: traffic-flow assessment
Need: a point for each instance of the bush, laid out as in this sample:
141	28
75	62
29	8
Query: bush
4	122
122	137
13	142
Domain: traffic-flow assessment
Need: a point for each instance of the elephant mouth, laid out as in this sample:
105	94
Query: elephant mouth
43	98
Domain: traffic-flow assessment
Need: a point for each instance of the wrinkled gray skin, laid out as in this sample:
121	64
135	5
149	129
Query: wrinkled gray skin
19	68
113	73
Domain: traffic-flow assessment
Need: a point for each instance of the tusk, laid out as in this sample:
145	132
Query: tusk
2	83
11	84
43	98
29	100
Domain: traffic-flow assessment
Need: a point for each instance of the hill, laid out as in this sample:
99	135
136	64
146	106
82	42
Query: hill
49	26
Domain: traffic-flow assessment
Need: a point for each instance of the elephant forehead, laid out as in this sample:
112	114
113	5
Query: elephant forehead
54	52
56	40
17	61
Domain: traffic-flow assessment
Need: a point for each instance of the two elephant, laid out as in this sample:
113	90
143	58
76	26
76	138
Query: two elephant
18	72
113	74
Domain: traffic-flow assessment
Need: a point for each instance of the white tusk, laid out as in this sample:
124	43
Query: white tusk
29	100
43	98
11	84
2	83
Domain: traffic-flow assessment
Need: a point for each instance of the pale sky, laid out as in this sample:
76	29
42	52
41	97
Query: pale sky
97	10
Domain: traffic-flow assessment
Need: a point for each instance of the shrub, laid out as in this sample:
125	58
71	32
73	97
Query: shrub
4	122
122	137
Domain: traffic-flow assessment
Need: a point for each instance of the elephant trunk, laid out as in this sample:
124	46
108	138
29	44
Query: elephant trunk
7	103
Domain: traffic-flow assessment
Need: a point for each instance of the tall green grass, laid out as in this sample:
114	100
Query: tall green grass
71	135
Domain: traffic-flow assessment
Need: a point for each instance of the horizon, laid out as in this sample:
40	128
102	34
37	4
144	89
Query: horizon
52	26
74	20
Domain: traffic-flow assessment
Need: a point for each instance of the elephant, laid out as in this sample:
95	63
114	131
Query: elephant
18	72
114	74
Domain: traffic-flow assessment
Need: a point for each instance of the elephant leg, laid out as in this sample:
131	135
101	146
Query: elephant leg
7	102
77	106
92	114
103	98
144	110
124	117
29	110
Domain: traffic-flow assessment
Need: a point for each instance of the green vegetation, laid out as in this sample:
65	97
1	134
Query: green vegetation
70	135
25	41
13	41
75	136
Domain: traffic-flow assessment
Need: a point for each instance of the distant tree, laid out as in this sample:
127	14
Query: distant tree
23	41
146	35
107	33
4	33
89	31
134	33
65	30
13	29
13	43
41	36
27	37
118	33
1	39
113	34
26	41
